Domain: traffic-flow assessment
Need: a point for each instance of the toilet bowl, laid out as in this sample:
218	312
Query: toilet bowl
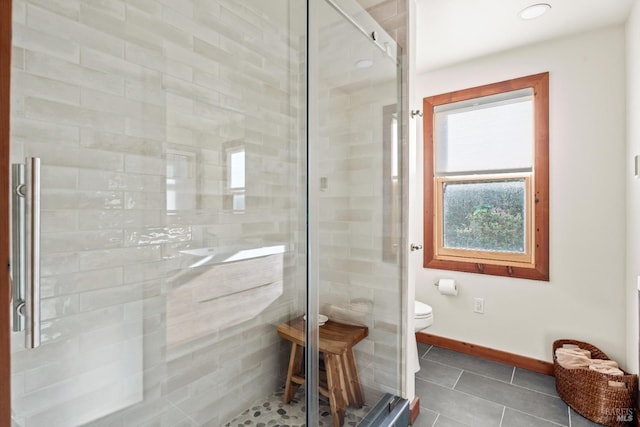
423	316
422	319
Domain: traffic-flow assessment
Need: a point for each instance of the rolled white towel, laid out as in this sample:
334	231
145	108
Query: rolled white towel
606	369
604	363
617	384
573	358
573	351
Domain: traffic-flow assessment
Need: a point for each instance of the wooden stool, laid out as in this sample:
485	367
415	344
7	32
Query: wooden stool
336	341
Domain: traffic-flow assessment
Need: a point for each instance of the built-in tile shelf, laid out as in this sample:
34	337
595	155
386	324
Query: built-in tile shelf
212	256
218	294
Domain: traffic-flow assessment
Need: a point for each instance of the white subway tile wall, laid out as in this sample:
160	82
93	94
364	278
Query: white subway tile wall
136	330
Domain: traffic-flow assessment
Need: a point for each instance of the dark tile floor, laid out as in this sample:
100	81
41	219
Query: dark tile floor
458	390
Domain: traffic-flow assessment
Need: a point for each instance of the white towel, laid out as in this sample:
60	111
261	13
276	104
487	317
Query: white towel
572	358
606	368
617	384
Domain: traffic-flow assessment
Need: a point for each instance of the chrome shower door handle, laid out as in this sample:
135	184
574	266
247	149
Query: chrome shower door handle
25	263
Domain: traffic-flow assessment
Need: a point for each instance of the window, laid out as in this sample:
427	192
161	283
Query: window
390	185
486	179
181	180
235	199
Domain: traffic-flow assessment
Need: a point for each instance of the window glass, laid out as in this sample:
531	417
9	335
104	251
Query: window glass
493	133
236	169
488	216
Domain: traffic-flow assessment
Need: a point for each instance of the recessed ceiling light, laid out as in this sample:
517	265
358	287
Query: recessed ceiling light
534	11
364	63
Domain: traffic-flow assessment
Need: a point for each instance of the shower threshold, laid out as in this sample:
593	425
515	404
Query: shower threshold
271	412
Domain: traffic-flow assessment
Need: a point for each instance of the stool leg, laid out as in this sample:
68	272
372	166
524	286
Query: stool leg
295	368
353	384
336	400
342	373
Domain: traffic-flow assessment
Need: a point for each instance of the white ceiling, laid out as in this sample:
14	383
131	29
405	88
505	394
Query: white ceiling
451	31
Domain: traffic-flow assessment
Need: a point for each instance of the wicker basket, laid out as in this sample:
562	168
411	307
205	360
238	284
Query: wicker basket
588	392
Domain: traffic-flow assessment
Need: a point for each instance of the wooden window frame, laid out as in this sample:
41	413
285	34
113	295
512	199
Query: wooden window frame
537	267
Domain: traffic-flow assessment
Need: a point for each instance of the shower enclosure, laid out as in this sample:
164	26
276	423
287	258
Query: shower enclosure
187	175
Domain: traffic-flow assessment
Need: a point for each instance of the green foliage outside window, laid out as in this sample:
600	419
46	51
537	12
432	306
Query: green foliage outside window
485	216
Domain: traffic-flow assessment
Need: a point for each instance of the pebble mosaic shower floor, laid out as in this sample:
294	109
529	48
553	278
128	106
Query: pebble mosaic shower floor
271	412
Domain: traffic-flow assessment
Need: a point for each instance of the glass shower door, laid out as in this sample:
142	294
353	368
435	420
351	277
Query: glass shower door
356	177
169	203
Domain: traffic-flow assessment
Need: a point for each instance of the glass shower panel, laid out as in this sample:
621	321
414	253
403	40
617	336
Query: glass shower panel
358	116
172	203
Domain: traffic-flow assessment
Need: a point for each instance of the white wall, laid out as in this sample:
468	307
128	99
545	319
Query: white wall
585	298
633	184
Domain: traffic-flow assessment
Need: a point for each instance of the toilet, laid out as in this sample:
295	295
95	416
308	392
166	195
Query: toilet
423	318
